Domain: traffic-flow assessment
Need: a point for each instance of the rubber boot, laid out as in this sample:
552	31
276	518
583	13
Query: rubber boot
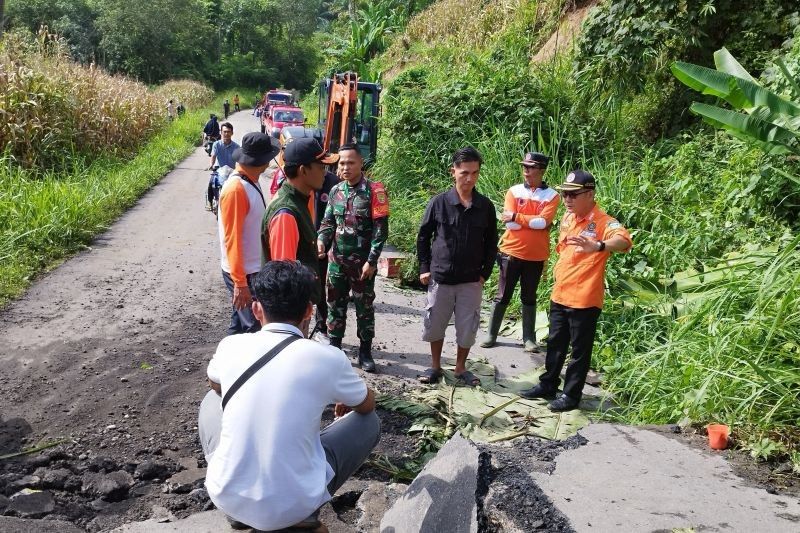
336	342
365	360
496	320
529	328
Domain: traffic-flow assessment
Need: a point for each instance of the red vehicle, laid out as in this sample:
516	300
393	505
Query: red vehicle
278	116
272	98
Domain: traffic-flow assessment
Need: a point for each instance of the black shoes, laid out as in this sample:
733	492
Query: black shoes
538	391
365	360
564	403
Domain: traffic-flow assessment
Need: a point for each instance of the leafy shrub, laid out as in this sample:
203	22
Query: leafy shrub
626	46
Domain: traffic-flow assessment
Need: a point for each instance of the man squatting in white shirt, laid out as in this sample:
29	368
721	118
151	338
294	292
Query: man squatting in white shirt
269	466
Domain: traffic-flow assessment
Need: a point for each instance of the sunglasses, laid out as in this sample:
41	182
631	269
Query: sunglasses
570	194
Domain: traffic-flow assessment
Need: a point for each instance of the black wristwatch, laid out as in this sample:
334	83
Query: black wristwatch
602	246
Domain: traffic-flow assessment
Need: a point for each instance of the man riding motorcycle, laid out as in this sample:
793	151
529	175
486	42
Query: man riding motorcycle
210	133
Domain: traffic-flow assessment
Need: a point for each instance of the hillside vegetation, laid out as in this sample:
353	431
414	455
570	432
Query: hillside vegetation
702	322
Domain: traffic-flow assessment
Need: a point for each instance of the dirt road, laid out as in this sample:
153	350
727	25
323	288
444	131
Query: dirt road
109	351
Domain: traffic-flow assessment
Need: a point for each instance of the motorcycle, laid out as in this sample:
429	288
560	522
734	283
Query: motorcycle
208	143
215	182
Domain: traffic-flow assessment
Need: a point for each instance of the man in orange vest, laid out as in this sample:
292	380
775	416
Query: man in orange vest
586	239
528	213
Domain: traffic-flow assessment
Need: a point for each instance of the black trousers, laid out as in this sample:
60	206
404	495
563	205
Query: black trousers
569	326
513	270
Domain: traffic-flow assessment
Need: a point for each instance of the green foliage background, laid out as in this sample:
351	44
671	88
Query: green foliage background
230	43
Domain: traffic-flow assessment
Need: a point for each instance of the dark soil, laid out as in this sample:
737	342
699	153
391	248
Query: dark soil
511	497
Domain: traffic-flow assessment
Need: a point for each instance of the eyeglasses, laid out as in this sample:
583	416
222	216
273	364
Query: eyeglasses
571	194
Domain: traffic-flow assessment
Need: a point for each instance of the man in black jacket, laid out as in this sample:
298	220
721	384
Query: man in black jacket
462	223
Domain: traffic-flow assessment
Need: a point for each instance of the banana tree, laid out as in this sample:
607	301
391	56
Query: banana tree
760	116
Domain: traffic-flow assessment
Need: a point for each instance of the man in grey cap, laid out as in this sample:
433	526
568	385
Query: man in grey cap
241	207
528	213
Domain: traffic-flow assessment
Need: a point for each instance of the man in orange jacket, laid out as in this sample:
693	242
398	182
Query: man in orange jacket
586	239
528	213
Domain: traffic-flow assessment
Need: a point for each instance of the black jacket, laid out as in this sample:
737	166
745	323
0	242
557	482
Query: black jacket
211	128
464	240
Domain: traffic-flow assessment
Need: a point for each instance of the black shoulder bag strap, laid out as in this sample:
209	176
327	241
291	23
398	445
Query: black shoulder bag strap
256	187
255	367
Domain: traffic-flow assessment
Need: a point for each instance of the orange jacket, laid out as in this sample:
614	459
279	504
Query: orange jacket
580	276
528	235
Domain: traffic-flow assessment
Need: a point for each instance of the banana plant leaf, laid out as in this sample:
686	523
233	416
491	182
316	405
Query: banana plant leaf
513	328
771	138
689	289
492	412
758	96
703	80
725	62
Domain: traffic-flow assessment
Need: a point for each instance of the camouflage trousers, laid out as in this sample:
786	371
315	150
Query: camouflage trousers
339	286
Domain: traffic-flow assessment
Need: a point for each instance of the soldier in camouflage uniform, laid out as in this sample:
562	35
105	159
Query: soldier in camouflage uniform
354	229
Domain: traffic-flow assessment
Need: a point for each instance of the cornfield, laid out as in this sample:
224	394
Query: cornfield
54	108
80	146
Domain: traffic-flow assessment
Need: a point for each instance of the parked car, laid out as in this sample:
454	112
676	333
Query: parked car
279	117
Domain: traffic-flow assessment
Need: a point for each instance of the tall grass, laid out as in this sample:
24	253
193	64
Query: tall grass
191	94
45	218
459	28
734	359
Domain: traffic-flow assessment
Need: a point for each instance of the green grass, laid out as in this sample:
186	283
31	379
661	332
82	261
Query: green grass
48	216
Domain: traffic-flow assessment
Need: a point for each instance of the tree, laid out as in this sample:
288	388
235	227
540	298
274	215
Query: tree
73	20
155	39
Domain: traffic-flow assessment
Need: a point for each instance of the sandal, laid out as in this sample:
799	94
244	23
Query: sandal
430	376
468	378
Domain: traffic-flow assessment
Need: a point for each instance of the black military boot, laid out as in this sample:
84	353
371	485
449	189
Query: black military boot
336	342
498	312
365	360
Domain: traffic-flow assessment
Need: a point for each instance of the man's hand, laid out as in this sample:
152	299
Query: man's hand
507	216
584	244
482	280
425	278
340	409
241	298
320	250
367	271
